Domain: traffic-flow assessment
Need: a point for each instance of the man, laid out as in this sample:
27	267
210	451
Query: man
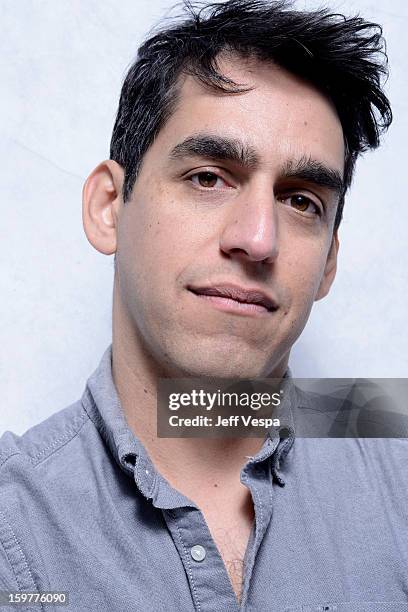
235	141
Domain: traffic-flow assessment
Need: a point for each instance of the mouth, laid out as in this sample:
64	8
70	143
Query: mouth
236	299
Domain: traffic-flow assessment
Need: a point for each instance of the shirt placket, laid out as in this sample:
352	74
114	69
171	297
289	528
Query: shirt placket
210	588
256	476
208	579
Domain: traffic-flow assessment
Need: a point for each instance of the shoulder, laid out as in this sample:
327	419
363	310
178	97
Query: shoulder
43	440
33	469
50	455
30	462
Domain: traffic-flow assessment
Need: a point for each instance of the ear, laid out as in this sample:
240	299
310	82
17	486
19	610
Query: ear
330	268
101	201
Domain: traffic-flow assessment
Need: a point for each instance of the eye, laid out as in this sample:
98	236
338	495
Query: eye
302	204
207	180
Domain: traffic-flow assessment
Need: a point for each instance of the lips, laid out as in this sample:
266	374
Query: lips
237	293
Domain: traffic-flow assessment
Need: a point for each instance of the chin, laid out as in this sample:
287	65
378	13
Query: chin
196	367
222	357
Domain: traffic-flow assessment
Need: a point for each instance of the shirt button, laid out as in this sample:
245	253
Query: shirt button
198	552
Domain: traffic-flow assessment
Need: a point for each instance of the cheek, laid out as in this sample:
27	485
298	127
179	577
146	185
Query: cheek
302	274
152	247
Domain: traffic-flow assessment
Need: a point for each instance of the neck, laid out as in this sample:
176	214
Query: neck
182	461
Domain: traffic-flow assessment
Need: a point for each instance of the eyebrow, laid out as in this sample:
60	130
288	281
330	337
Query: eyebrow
223	148
217	148
312	171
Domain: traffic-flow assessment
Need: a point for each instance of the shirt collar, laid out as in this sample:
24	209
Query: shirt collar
286	431
279	441
101	401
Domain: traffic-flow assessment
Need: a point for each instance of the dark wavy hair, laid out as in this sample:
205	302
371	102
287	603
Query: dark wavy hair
345	58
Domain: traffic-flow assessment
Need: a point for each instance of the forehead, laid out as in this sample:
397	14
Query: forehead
281	115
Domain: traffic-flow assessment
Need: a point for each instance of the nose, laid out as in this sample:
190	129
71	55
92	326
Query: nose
250	231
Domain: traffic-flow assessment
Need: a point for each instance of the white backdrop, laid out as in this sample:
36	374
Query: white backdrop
62	65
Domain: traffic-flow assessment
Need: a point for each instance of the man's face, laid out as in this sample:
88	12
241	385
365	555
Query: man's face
237	189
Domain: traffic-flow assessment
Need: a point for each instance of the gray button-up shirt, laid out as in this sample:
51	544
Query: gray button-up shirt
83	510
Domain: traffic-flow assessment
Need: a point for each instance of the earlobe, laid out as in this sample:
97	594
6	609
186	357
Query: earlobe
330	268
101	201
